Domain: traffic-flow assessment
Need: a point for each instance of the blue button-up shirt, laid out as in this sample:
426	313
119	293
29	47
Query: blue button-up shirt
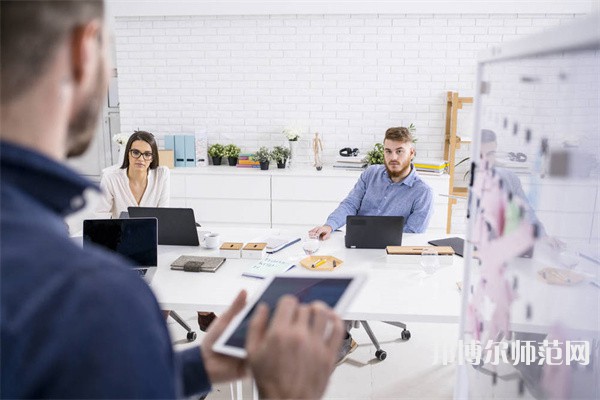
376	194
75	323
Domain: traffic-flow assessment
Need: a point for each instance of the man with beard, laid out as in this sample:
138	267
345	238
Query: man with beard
79	323
392	189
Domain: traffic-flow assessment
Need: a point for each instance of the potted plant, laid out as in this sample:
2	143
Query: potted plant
216	152
232	152
280	155
375	156
263	156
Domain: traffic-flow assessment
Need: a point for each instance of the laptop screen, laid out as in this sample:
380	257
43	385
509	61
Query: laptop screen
134	239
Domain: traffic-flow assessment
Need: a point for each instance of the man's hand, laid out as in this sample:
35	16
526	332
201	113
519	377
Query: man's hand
221	368
321	232
292	358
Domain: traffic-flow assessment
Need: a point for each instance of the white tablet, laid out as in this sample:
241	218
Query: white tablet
335	291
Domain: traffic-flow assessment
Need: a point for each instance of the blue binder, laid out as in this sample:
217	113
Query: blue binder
180	151
190	151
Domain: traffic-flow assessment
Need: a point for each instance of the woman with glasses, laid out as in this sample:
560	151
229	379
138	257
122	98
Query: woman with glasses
139	181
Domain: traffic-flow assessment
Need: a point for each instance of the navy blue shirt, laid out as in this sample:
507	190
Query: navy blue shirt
376	194
75	323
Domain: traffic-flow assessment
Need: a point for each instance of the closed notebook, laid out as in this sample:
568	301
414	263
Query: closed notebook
197	264
268	266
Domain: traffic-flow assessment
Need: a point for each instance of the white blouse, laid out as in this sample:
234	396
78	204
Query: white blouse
117	196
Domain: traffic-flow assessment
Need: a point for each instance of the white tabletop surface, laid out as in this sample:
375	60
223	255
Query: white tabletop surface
393	291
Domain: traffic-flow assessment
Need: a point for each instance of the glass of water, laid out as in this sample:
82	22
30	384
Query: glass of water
310	245
429	260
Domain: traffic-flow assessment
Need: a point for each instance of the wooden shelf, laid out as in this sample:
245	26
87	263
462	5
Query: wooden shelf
452	142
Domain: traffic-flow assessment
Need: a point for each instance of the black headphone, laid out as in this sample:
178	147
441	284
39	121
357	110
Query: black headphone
347	152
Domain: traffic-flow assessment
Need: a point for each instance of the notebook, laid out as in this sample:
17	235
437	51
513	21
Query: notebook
267	267
373	232
197	264
134	239
456	243
176	226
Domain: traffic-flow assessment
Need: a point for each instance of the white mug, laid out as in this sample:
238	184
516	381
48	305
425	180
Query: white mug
211	240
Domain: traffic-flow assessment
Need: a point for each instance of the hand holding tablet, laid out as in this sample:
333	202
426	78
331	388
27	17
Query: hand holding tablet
336	291
289	334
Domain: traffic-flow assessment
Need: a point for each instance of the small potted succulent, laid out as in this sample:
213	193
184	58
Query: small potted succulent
280	155
232	152
216	152
263	156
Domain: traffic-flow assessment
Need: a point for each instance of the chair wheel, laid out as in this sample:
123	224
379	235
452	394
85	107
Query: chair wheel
191	336
381	355
405	335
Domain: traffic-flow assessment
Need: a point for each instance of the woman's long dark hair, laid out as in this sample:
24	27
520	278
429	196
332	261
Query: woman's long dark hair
146	137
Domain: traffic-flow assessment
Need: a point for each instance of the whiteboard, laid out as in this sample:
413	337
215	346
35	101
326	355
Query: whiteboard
530	324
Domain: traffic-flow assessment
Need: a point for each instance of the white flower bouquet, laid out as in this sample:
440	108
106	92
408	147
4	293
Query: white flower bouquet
292	133
121	138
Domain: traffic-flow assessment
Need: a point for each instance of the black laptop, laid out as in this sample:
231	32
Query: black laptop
176	226
134	239
373	232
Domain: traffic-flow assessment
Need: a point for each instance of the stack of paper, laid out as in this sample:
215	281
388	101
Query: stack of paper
244	161
435	167
351	163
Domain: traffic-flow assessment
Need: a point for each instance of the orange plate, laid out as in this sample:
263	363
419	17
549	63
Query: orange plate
310	261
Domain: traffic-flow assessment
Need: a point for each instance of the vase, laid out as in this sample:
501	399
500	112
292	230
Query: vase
232	161
264	165
281	163
293	144
216	160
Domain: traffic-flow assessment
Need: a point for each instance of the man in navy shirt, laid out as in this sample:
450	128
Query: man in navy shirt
79	323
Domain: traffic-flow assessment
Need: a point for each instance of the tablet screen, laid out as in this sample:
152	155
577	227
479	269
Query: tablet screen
307	289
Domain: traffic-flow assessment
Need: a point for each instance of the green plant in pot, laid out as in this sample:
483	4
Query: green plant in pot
280	155
232	152
375	156
216	152
263	156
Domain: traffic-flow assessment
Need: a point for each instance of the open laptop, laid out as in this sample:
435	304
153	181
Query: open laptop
373	232
134	239
176	226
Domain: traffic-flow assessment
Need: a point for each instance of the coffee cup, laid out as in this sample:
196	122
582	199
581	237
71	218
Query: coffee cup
211	240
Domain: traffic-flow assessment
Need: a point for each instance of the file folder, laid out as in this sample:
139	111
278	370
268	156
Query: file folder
190	151
180	151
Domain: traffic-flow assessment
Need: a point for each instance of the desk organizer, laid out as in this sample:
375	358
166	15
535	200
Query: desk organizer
321	263
231	250
254	250
412	254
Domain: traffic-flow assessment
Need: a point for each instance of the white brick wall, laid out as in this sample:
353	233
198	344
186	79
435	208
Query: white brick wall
349	77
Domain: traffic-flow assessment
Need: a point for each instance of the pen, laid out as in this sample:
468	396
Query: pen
320	262
317	263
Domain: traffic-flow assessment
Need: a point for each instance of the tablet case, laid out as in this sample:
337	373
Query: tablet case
456	243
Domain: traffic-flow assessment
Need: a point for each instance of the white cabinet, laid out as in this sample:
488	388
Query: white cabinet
294	198
221	196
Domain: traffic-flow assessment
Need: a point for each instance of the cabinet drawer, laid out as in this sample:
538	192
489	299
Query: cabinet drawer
215	211
311	188
228	187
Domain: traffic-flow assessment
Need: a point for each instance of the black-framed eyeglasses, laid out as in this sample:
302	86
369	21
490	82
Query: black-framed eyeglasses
136	154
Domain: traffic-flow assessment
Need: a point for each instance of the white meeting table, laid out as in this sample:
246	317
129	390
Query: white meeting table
397	291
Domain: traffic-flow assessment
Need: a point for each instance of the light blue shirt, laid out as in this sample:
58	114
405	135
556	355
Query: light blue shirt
376	194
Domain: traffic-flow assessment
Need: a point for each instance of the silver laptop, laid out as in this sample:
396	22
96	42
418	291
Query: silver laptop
135	239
